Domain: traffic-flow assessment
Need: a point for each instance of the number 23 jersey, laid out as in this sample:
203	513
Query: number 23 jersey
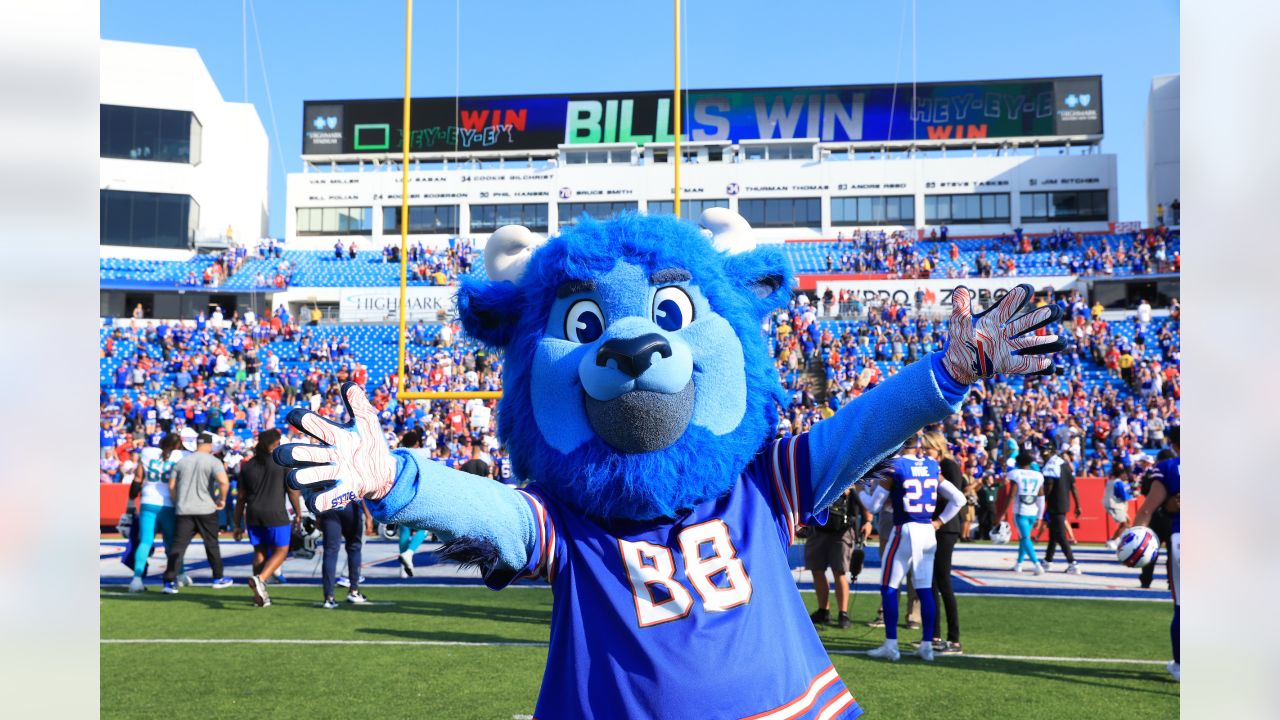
696	617
915	489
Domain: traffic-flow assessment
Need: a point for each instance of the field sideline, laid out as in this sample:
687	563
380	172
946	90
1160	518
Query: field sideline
464	652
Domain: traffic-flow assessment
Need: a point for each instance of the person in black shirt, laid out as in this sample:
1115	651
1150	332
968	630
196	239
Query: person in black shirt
948	534
831	545
1060	488
988	495
476	466
262	508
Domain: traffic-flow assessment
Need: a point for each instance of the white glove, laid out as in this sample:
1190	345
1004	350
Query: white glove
990	343
354	461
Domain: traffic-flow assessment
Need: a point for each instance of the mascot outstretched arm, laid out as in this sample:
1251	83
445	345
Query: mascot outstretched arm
640	401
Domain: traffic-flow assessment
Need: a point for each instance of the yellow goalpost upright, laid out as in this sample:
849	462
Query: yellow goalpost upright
405	141
401	393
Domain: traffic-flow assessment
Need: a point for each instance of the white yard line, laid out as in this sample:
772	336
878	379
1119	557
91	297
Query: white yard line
1024	658
291	641
1062	593
460	643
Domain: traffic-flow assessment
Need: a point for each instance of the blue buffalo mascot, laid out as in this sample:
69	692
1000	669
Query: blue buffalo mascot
640	403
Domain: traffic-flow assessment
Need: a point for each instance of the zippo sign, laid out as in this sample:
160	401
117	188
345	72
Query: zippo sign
938	290
382	304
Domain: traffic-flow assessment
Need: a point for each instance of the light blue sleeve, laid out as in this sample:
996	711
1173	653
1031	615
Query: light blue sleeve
846	445
455	504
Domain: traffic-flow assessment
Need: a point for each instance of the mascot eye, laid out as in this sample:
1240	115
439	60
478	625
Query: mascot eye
672	308
584	323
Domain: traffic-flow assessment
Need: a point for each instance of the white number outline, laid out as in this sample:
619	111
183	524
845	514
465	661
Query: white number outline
726	560
698	571
908	499
641	576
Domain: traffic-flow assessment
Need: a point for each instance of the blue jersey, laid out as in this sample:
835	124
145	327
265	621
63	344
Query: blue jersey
1169	473
915	489
697	617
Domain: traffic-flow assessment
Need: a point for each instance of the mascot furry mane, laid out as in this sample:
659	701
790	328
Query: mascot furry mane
637	381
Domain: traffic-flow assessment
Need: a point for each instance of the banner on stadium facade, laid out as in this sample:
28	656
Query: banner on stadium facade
938	290
381	304
1045	107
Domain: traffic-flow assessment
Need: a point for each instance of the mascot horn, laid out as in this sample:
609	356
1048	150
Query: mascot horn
640	404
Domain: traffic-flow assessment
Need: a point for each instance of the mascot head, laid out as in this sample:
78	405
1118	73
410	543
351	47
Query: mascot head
637	382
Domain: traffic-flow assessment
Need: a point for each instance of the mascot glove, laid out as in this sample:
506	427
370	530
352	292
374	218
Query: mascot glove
353	461
995	342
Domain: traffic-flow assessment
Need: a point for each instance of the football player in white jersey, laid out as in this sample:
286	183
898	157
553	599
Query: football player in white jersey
912	484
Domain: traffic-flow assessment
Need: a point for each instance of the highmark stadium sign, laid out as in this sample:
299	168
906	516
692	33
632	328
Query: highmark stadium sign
1051	107
382	304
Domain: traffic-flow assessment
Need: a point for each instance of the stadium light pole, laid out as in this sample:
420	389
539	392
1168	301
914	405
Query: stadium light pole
401	393
676	106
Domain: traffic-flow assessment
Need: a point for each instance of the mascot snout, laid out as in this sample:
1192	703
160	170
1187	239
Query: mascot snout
639	391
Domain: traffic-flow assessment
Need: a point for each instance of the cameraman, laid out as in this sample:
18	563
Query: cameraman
831	546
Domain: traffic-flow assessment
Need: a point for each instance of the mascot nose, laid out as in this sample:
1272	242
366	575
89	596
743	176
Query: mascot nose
633	355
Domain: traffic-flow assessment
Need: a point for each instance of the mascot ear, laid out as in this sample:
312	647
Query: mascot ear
508	250
764	272
762	269
489	310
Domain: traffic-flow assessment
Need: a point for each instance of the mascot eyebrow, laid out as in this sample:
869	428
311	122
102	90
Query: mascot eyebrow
574	287
659	277
670	275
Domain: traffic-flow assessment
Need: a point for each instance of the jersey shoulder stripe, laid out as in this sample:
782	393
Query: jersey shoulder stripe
780	486
785	465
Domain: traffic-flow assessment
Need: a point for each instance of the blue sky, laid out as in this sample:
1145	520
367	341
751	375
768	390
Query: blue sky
323	49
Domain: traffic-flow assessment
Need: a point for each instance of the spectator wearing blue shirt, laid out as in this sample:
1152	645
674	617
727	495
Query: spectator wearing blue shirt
1116	502
107	438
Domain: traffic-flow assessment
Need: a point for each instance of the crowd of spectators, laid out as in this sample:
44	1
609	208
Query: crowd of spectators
880	252
224	265
228	262
436	267
237	376
1117	390
1115	397
897	254
1150	251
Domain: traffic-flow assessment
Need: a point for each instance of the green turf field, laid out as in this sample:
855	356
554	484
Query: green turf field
418	680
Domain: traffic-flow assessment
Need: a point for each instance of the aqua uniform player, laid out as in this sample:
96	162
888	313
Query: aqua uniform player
156	511
1028	507
410	541
911	483
1166	489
